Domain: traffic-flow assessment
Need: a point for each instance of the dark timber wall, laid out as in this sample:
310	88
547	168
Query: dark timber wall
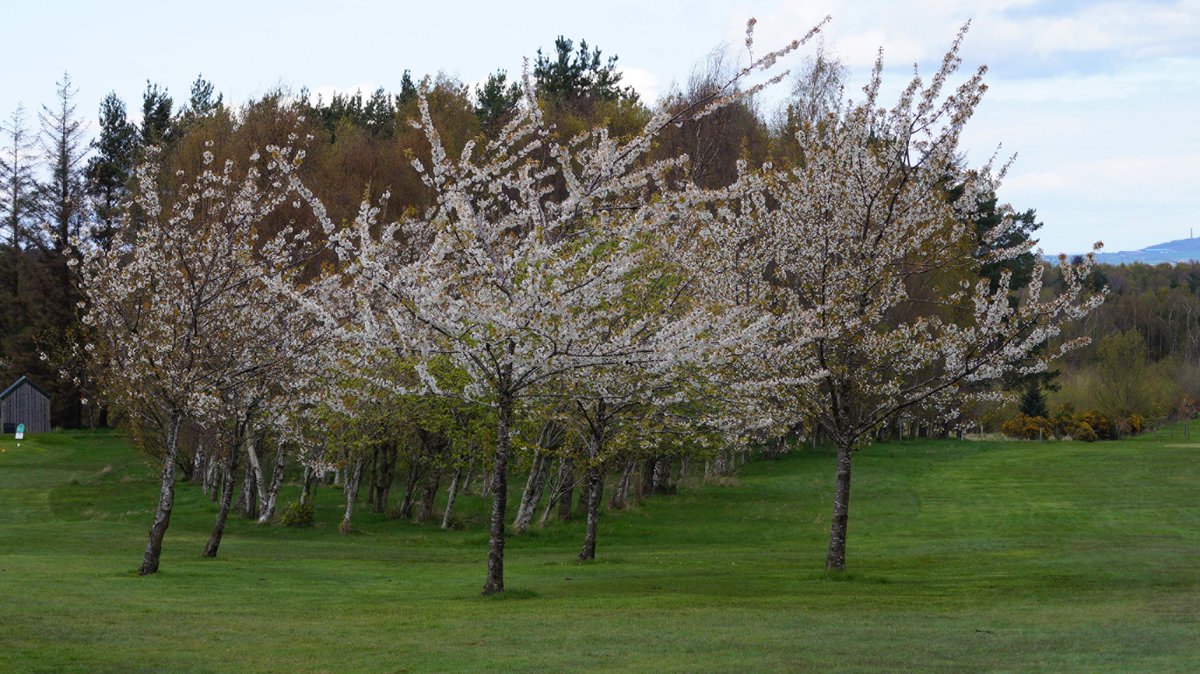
25	403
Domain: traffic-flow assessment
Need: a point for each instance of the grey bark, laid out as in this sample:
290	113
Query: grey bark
836	558
383	475
595	491
166	499
268	509
214	540
621	492
353	480
557	488
451	494
647	486
428	494
566	489
532	495
259	478
248	500
495	567
309	487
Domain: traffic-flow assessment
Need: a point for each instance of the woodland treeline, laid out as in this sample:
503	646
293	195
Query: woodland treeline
416	291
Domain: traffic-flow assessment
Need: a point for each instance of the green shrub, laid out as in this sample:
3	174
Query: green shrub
299	515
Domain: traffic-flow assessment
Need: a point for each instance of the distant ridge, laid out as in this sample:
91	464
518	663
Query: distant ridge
1180	250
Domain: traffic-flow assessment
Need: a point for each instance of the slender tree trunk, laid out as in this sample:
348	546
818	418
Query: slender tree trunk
556	488
595	492
647	487
307	491
621	493
585	486
384	477
566	489
836	559
533	492
166	498
451	494
259	478
495	571
662	476
410	488
268	509
353	480
248	499
214	541
211	469
428	495
199	460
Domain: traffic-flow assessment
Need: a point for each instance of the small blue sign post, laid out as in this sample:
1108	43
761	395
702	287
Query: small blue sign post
20	431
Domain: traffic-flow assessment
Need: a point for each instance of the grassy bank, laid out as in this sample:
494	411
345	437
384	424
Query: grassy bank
963	556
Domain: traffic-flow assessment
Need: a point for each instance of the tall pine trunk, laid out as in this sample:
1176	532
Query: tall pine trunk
836	559
214	540
494	583
166	498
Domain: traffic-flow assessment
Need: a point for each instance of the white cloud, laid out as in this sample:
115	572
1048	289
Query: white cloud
643	81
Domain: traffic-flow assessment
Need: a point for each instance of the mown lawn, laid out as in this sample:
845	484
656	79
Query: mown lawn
963	556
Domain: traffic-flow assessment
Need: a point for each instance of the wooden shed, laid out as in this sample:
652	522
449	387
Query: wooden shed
24	403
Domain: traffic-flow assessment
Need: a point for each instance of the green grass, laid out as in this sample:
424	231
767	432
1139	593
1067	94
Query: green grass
963	556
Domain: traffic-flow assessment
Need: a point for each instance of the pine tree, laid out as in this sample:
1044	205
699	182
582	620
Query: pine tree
496	101
110	170
63	201
157	127
1033	401
18	188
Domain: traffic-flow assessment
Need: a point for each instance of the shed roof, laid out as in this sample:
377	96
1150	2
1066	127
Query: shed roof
18	383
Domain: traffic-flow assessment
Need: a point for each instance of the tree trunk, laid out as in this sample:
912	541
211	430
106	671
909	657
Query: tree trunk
410	488
621	493
647	487
310	484
259	478
566	488
248	501
428	495
662	476
353	480
836	559
199	460
499	484
211	471
533	492
214	541
382	477
166	499
595	491
268	509
451	494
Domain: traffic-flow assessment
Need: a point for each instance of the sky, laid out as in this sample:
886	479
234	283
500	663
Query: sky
1099	101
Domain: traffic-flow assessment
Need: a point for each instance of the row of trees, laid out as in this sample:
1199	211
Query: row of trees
556	271
441	282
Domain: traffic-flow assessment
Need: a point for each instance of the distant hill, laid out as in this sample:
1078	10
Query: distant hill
1180	250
